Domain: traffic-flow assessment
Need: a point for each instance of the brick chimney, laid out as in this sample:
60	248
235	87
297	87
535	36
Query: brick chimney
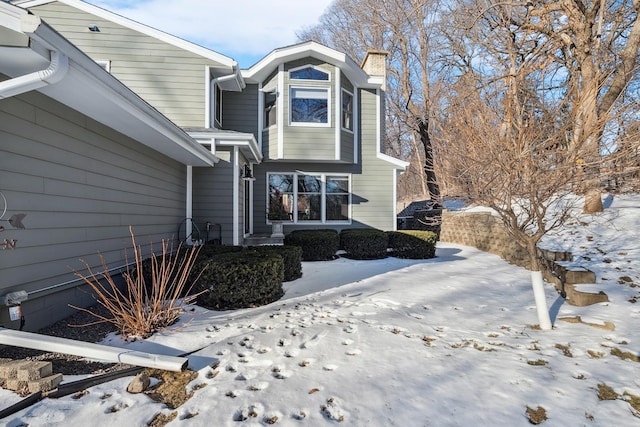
375	64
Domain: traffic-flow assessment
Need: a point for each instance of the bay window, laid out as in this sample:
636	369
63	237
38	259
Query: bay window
299	197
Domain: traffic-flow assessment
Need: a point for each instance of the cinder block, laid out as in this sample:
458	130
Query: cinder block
34	371
45	384
9	370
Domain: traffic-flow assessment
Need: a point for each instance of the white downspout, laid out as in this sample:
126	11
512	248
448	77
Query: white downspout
55	72
236	195
189	207
91	350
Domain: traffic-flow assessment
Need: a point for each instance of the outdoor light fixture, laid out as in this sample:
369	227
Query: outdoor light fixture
247	173
94	28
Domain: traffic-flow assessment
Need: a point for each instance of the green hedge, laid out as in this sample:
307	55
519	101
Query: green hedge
291	255
239	280
317	245
364	243
413	244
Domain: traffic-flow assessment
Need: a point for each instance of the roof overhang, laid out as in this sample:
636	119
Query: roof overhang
263	68
218	138
88	88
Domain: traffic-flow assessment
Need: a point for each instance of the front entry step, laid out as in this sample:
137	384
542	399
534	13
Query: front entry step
259	240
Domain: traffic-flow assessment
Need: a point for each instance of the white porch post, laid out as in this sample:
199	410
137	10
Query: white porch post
189	206
236	195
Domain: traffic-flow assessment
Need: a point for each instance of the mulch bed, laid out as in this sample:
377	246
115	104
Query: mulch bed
68	328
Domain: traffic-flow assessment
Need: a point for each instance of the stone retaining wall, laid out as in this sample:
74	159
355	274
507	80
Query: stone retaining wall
485	232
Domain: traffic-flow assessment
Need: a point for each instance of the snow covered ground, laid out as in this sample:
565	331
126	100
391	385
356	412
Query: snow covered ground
441	342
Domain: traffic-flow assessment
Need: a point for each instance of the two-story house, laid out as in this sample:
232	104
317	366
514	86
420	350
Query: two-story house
306	122
297	138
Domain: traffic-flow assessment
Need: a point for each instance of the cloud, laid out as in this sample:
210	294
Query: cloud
239	29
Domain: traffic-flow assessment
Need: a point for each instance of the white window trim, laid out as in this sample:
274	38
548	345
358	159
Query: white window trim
323	200
302	67
326	89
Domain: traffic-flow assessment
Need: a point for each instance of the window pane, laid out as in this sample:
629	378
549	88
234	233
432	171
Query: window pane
280	197
309	207
337	184
337	207
270	110
347	111
309	184
309	105
308	73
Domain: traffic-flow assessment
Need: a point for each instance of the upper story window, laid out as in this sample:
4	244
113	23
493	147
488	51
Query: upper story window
308	73
347	110
310	106
270	109
217	105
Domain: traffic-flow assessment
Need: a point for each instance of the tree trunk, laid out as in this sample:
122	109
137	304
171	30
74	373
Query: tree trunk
537	283
429	172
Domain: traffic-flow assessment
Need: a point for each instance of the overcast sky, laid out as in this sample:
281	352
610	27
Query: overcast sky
245	30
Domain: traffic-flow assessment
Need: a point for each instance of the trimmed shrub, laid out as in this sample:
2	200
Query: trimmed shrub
364	243
317	245
413	244
240	280
291	255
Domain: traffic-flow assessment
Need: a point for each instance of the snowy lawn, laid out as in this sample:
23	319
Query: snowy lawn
442	342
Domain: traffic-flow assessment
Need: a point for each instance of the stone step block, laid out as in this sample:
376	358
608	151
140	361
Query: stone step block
34	371
14	384
9	370
45	384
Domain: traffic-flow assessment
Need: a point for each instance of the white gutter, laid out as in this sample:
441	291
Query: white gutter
55	72
92	351
52	74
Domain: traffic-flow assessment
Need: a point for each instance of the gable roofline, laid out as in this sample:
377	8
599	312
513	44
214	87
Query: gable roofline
261	70
137	26
88	88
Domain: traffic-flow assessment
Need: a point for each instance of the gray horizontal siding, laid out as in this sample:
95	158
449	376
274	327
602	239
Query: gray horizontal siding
373	203
169	78
81	185
213	196
240	110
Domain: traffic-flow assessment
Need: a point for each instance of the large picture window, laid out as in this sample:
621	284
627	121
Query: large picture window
319	198
310	106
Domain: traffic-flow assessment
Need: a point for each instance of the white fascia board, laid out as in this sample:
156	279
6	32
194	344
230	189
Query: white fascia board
134	25
401	164
260	71
249	147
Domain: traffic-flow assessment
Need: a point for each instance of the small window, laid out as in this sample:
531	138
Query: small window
217	105
308	73
270	109
347	110
310	105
